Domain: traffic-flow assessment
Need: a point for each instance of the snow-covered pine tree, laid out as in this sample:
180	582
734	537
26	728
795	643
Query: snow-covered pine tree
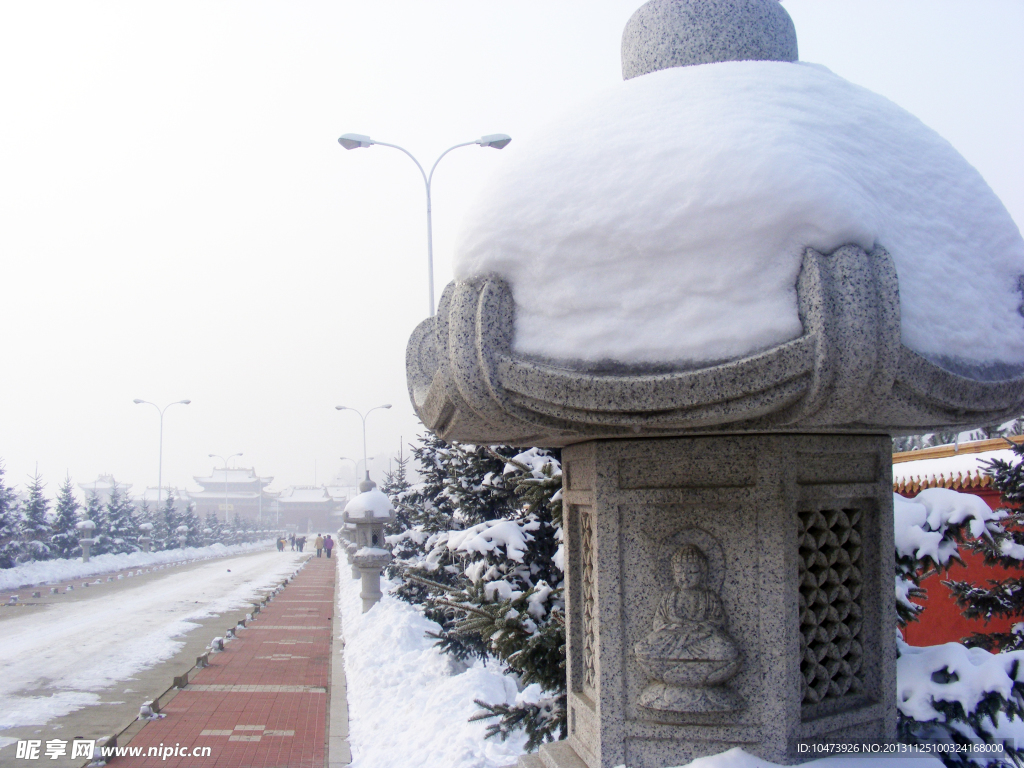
213	523
1000	597
931	707
510	600
395	487
171	519
94	511
33	526
463	486
119	523
64	539
9	544
189	518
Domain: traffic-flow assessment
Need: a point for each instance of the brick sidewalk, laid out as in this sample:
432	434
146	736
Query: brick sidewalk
262	703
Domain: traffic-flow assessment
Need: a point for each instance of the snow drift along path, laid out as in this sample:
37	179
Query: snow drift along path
409	704
51	571
75	649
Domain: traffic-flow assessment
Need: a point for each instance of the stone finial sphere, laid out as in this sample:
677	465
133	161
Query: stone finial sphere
680	33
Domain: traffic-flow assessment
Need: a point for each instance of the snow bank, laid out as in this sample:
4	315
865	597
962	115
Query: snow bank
666	218
409	704
48	571
372	503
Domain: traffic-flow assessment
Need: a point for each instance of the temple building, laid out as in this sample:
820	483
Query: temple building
305	509
102	487
232	492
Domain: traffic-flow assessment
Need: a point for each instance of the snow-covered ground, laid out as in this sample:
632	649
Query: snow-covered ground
52	571
409	704
75	649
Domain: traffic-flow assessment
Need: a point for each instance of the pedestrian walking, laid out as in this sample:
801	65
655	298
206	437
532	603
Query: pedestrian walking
300	542
280	544
292	540
328	545
318	542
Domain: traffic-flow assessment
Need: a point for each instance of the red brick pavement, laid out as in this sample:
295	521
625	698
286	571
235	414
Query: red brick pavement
263	702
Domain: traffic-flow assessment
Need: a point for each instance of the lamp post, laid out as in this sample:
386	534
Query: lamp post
225	460
160	468
495	140
363	417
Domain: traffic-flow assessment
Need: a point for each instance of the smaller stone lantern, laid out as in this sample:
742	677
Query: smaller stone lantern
146	539
85	529
369	512
182	531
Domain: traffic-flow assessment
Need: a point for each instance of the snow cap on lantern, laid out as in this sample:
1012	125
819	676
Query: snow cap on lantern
369	511
729	237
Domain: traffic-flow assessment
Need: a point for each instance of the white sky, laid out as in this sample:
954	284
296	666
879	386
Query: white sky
178	221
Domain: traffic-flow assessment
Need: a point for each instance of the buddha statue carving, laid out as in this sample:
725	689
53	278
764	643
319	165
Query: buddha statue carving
689	655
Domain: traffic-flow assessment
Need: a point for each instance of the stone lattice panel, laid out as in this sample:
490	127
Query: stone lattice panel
831	611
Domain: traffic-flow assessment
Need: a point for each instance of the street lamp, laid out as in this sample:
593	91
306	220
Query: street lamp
361	416
160	469
225	460
495	140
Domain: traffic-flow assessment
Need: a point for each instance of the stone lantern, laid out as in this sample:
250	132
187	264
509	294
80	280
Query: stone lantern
182	531
85	539
207	536
725	424
146	539
369	512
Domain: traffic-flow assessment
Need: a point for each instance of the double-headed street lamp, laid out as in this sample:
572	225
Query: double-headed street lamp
363	417
225	460
160	468
495	140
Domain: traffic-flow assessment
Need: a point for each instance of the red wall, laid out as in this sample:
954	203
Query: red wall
941	620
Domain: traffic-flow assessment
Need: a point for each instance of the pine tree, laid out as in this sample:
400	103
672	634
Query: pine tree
956	719
170	520
64	540
999	597
463	486
33	526
510	601
395	487
9	544
189	518
94	512
120	525
213	523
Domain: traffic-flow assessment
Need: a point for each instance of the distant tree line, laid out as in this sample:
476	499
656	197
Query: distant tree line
37	529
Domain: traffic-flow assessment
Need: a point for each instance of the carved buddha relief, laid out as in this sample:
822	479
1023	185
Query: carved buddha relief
689	655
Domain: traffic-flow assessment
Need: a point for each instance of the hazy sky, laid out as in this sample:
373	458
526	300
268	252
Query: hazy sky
178	221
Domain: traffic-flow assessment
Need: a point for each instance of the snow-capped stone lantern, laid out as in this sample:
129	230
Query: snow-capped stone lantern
207	536
85	539
146	539
369	512
182	531
721	289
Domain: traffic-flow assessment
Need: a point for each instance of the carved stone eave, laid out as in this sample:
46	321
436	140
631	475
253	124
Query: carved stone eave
847	372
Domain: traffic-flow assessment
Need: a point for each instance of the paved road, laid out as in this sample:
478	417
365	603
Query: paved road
81	663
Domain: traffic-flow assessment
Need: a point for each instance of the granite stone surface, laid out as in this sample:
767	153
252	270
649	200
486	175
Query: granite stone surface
847	372
796	532
680	33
